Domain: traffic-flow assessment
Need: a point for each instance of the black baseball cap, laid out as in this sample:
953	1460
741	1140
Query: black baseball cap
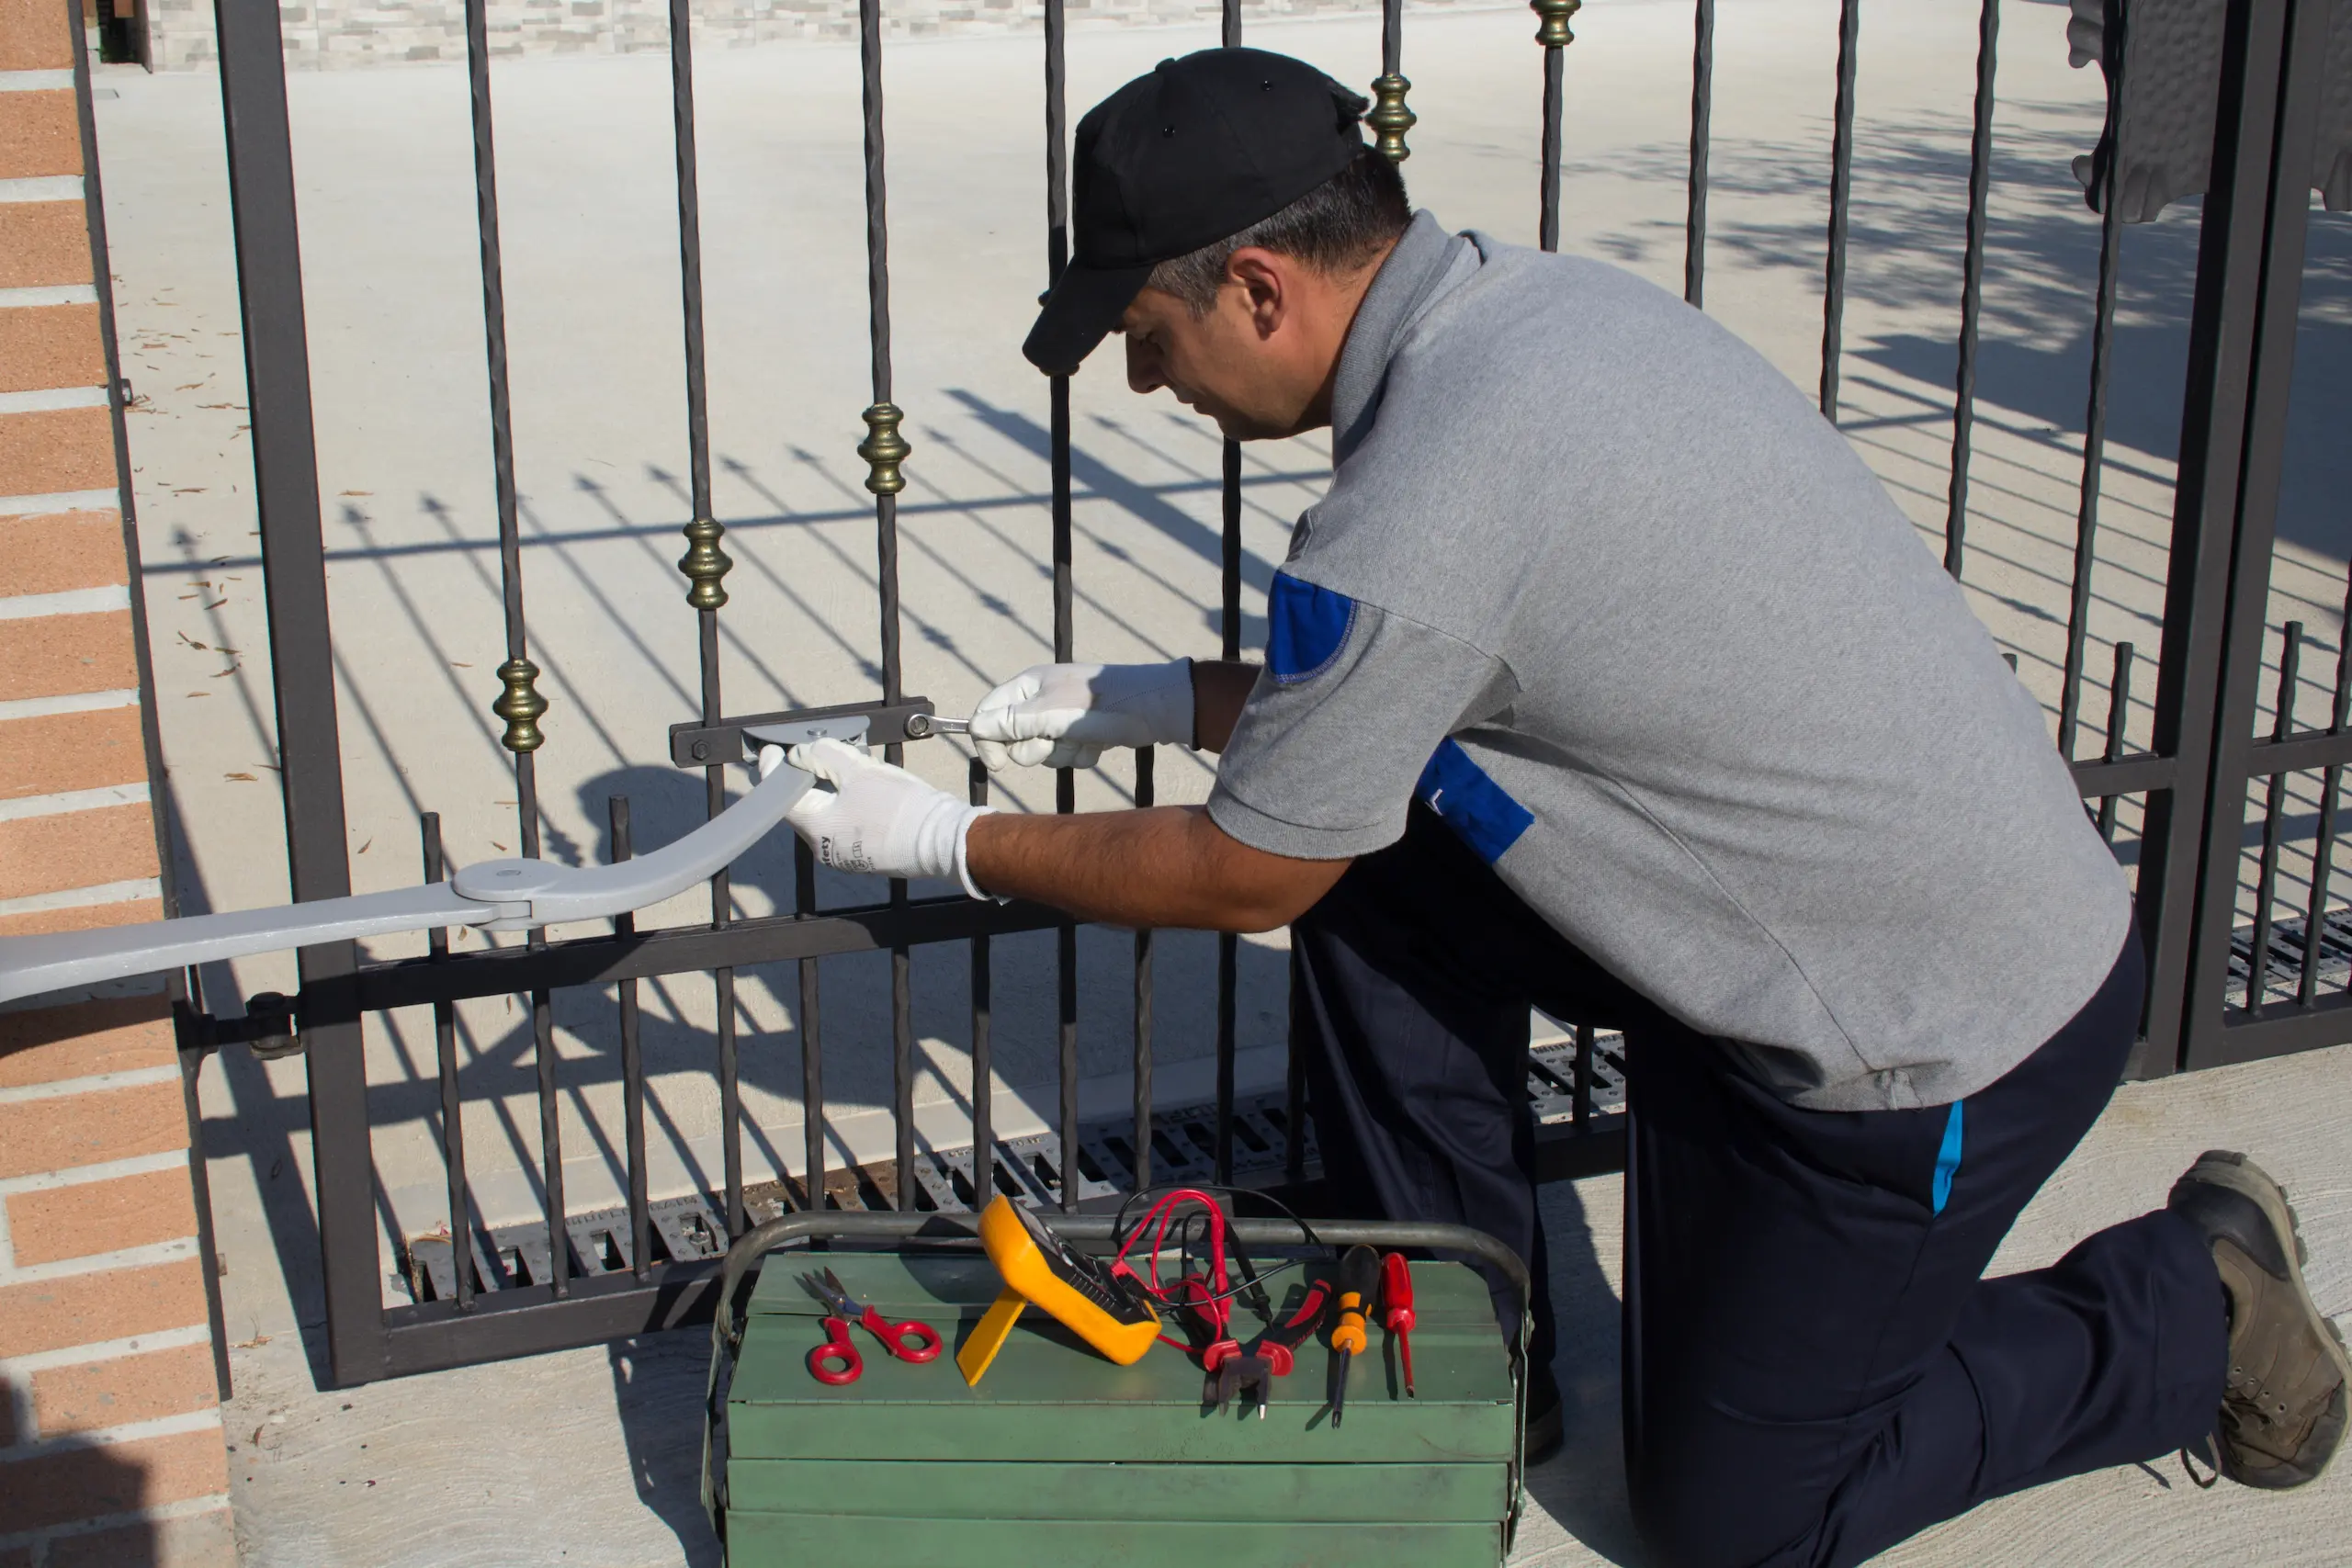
1201	148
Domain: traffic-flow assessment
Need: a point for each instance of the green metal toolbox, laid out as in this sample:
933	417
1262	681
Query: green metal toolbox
1060	1456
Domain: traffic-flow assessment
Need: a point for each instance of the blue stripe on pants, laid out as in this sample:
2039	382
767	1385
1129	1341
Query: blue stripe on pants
1948	1158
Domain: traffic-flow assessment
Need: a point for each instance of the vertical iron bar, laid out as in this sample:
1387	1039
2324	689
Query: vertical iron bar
812	1059
1295	1106
707	595
208	1246
1065	781
884	449
1582	1109
983	1064
908	1190
1702	99
520	705
2111	257
1553	34
681	114
2339	710
550	1141
2323	867
1228	946
522	736
2266	884
1547	223
1143	1004
1389	118
94	213
2198	602
445	1051
1842	185
641	1216
2118	716
2269	128
730	1094
286	494
1971	286
1065	1057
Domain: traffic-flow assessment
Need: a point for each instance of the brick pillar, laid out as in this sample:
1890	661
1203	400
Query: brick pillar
110	1441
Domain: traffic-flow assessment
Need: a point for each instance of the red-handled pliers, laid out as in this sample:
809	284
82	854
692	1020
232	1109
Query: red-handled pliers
836	1361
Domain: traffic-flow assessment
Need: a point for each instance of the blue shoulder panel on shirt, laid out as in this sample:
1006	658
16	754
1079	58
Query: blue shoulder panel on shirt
1470	803
1305	629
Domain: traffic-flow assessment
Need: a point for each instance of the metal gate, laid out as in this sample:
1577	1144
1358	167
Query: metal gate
583	1278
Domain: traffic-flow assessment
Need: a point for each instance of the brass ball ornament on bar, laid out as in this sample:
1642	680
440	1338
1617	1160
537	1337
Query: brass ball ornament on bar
704	564
1389	118
1552	32
884	449
520	705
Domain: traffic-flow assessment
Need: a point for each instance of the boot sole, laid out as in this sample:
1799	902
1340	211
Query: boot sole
2235	1173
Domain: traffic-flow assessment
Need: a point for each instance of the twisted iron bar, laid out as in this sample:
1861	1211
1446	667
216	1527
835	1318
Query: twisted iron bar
1702	99
2110	261
1552	32
520	704
1972	287
1841	185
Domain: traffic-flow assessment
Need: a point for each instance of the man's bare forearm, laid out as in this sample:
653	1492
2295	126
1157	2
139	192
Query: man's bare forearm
1169	866
1219	688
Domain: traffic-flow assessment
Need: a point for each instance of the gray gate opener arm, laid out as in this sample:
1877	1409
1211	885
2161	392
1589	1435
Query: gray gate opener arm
497	894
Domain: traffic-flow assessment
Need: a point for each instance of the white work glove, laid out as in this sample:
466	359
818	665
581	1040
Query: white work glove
879	821
1063	715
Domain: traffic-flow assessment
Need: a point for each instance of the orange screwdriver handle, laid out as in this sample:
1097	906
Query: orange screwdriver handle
1359	1278
1396	1294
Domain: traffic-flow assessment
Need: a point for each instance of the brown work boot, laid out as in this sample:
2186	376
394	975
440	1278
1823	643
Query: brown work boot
2283	1403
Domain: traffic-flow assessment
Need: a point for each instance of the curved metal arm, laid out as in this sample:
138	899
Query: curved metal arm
31	965
498	895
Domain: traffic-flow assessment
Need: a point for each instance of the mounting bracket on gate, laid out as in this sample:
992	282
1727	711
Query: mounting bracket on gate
498	895
695	745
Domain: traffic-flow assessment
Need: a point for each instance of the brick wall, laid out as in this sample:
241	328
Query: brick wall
110	1442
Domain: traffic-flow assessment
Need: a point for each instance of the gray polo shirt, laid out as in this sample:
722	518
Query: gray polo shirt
1600	585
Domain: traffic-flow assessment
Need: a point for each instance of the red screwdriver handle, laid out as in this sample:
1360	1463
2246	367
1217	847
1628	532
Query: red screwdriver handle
1395	1293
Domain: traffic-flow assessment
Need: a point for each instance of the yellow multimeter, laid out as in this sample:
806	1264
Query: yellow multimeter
1108	1311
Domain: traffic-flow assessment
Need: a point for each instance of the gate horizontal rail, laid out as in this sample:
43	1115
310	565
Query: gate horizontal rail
644	955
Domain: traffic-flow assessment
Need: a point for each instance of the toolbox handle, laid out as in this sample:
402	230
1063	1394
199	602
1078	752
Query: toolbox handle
963	1231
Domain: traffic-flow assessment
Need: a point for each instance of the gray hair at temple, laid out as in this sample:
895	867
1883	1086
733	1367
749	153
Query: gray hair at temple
1335	228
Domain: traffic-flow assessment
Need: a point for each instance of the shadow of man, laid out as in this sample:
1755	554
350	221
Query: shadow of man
70	1481
658	1392
1583	1487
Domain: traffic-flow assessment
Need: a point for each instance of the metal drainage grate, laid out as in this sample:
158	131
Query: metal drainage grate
684	1228
2283	966
1552	1078
1028	1169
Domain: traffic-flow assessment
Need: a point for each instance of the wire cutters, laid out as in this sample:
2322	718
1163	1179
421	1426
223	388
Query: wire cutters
836	1361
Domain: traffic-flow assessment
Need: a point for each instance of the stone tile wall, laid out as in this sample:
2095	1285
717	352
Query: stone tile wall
110	1443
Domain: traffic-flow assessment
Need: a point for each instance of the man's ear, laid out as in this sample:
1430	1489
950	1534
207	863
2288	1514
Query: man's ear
1264	280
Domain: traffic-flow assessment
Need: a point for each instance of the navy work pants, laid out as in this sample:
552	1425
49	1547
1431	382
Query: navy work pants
1813	1368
